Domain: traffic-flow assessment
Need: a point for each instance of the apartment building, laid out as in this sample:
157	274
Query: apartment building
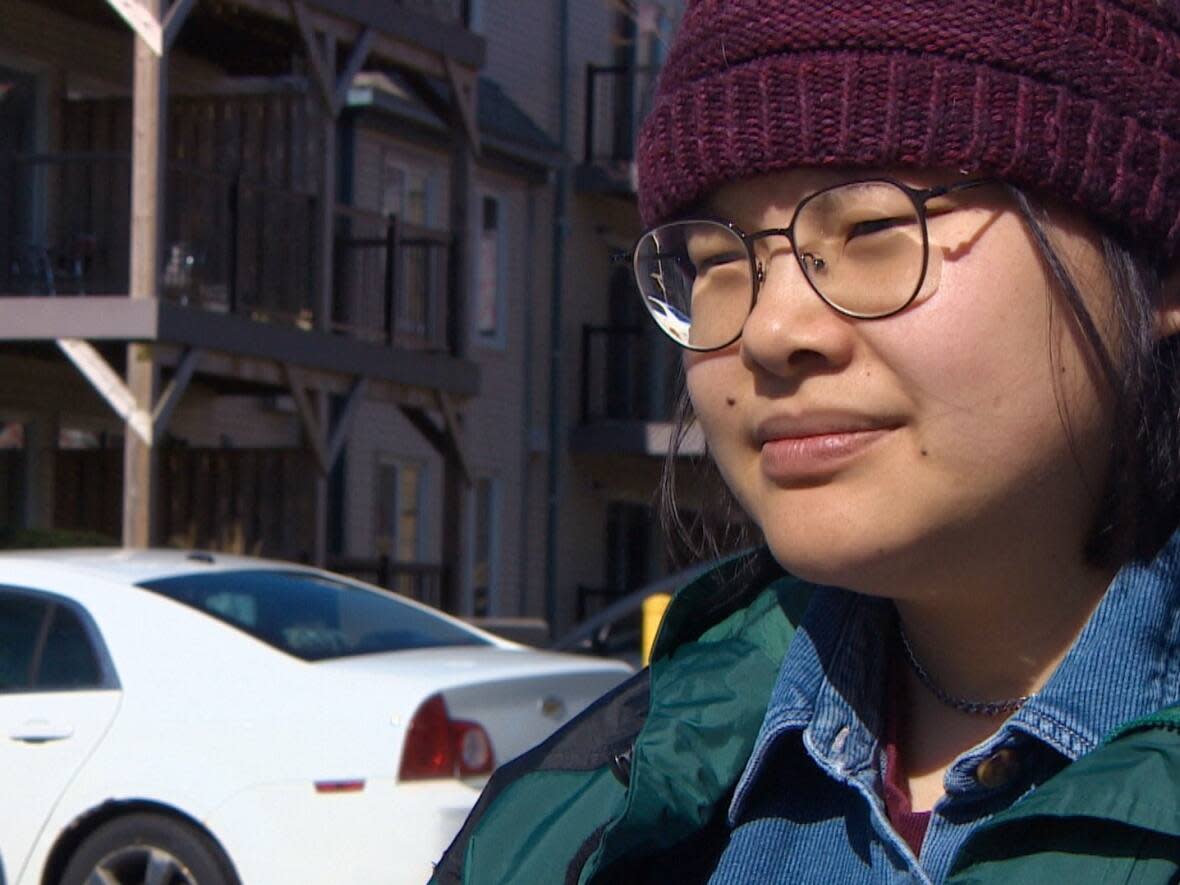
196	315
584	69
377	325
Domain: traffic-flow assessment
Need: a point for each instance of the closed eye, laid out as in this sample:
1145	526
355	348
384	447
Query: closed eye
876	225
709	262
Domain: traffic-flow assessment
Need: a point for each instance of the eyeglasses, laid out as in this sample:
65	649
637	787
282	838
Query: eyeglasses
863	247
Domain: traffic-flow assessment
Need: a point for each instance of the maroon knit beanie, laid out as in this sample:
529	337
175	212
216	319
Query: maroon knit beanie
1076	98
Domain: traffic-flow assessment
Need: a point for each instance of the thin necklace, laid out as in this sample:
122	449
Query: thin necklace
977	708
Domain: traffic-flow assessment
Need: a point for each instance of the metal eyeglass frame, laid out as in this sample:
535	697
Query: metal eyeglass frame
918	196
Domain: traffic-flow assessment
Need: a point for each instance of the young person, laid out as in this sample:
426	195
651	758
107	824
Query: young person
918	256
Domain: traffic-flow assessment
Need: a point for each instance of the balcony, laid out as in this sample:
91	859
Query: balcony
392	281
236	249
629	385
618	98
232	244
626	375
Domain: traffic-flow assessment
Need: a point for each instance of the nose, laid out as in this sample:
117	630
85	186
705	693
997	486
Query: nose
791	330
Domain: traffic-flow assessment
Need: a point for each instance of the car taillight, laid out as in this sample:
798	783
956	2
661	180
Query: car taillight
438	746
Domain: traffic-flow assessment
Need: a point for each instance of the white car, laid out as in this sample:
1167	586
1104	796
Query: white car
199	719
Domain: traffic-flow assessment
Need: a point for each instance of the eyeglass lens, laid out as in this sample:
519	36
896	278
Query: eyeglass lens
861	245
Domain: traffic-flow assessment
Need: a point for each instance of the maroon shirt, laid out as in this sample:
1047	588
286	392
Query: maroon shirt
910	825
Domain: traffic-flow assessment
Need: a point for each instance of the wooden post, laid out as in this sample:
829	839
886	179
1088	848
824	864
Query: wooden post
40	453
455	479
324	283
327	216
148	159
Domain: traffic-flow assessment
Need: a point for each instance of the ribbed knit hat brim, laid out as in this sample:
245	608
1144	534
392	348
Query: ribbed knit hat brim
1079	99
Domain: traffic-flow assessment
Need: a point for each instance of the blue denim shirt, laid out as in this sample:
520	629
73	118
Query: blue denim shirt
808	806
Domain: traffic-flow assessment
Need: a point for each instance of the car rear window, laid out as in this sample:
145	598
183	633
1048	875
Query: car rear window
312	617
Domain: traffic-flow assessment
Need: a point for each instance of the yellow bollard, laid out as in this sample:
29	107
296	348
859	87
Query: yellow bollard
653	613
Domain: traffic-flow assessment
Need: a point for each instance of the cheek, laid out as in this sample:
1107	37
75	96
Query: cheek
719	387
996	372
708	395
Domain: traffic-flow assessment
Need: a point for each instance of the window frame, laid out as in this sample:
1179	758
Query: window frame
108	676
497	339
400	462
494	538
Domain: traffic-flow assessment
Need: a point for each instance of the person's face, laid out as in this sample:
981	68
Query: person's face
971	423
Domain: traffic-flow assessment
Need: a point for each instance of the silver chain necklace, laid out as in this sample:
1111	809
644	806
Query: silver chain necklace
977	708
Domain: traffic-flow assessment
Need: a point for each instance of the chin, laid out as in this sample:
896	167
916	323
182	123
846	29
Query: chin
863	563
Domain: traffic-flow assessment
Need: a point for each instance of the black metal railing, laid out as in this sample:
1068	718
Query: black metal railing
64	223
617	100
392	280
230	243
238	245
626	375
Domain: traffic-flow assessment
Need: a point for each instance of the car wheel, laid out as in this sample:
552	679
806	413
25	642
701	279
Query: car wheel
148	849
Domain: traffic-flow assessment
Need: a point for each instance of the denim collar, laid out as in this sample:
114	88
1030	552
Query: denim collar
1124	664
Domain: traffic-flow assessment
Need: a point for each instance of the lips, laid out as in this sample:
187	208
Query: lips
816	444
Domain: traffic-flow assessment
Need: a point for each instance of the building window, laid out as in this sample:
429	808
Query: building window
398	532
489	288
484	541
406	191
410	194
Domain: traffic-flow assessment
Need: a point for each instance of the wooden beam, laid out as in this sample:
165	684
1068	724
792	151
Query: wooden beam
284	84
405	38
239	339
343	428
464	94
174	21
109	385
356	59
462	193
455	433
149	154
325	76
308	414
454	550
166	405
143	21
325	219
429	430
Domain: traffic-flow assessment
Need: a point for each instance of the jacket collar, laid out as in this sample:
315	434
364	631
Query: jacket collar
714	662
1132	644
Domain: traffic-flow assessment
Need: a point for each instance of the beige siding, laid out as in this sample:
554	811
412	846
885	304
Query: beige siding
381	432
522	47
496	420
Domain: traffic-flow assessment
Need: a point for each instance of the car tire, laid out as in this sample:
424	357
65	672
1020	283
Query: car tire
123	851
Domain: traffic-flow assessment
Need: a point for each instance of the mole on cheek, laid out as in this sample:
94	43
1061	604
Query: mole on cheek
730	401
924	453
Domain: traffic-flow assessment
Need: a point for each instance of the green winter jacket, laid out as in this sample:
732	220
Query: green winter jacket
636	788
